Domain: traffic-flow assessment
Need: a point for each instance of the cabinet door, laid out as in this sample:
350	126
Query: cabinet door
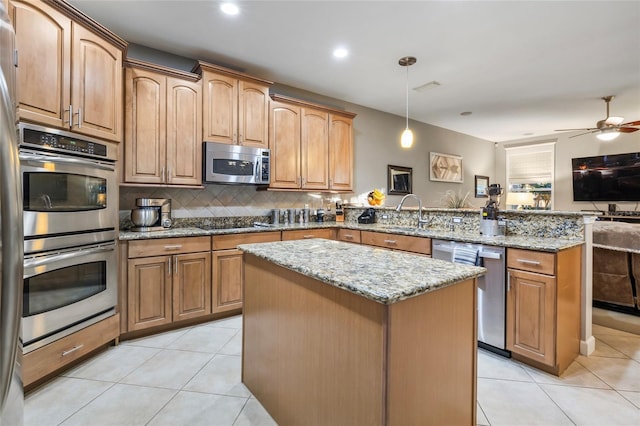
340	152
305	234
43	41
253	114
284	142
314	149
191	285
220	108
145	135
184	132
149	292
531	315
228	278
96	91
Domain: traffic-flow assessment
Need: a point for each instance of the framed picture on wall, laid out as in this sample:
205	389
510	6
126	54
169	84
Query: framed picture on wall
481	183
445	168
399	180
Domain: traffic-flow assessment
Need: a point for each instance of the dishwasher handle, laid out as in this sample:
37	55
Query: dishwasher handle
490	254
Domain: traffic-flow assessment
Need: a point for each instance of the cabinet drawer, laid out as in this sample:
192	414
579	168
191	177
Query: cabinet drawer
164	246
300	234
349	235
529	260
397	242
47	359
231	241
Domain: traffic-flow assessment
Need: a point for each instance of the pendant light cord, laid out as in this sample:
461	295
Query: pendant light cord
407	98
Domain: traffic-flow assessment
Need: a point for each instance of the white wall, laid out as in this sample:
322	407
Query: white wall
566	149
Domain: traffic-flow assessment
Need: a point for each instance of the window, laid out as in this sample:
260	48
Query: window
530	176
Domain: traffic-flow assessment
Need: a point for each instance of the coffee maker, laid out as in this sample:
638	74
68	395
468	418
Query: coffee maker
490	225
151	214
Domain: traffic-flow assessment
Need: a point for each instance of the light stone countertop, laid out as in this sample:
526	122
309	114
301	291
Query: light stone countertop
514	241
378	274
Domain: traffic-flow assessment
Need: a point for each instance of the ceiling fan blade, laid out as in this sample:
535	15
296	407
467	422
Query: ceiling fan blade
614	120
627	129
585	133
571	130
632	123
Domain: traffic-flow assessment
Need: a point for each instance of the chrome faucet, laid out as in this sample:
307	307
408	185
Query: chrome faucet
421	221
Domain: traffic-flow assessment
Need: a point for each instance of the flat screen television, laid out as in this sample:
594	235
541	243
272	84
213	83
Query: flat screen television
607	178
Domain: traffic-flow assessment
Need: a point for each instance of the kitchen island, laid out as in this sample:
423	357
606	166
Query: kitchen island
342	334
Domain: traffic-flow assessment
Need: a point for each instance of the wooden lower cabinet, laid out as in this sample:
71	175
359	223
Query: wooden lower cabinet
300	234
408	243
227	270
348	236
168	288
48	359
543	307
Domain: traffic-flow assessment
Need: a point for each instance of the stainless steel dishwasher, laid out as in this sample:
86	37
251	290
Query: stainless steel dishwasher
492	302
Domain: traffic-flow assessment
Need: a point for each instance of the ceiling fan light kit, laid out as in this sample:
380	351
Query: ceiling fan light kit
406	140
609	128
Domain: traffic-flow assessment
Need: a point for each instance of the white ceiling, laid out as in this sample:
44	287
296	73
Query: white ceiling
521	67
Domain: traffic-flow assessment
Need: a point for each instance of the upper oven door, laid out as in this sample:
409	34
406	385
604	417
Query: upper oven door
66	194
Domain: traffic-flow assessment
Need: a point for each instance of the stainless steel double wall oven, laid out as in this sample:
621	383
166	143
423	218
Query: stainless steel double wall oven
70	197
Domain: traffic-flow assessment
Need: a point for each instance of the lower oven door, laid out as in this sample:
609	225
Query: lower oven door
67	287
66	194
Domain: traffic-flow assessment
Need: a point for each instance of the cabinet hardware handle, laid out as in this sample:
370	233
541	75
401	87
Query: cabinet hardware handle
304	182
72	350
15	58
175	268
330	182
79	118
508	282
390	241
307	236
169	269
162	173
529	262
174	247
348	237
169	174
70	110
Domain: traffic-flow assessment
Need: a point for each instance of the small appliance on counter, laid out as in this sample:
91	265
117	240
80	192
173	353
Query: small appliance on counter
490	224
368	216
151	214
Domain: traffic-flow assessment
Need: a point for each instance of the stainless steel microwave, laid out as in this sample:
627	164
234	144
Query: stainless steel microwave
224	163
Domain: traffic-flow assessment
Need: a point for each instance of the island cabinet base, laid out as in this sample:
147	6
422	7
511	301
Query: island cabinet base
315	354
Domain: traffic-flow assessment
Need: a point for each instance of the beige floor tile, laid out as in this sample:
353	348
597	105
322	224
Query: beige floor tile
633	397
604	350
513	403
221	375
598	330
620	374
495	366
160	341
168	369
52	403
594	406
234	346
193	409
122	405
204	339
230	322
481	419
628	345
254	414
574	375
113	364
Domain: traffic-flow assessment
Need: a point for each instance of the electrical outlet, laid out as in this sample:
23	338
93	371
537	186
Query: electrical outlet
456	219
385	216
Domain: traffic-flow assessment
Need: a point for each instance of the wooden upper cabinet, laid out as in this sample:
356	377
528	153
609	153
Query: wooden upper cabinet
315	149
284	142
340	152
235	106
43	41
69	75
163	126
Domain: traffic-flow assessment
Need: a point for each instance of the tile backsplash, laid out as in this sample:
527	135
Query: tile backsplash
222	200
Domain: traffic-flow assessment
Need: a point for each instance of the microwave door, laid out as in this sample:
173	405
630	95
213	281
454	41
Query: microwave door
239	169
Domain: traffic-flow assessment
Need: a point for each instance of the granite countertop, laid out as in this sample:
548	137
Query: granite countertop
381	275
619	236
515	241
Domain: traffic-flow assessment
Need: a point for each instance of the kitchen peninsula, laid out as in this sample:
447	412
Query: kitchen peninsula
338	333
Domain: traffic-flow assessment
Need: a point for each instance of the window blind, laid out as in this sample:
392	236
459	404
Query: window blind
530	164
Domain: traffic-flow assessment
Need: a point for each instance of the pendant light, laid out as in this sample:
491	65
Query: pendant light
406	140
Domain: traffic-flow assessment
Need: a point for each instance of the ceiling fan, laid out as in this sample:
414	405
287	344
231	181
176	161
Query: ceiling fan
609	128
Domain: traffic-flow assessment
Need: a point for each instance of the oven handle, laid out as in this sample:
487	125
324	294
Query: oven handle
65	160
45	260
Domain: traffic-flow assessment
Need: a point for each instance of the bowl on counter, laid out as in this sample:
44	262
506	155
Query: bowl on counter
144	216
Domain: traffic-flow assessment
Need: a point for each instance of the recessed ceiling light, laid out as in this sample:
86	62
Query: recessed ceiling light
340	52
230	8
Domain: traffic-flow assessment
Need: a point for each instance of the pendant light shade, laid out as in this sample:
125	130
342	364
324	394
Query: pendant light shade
406	140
